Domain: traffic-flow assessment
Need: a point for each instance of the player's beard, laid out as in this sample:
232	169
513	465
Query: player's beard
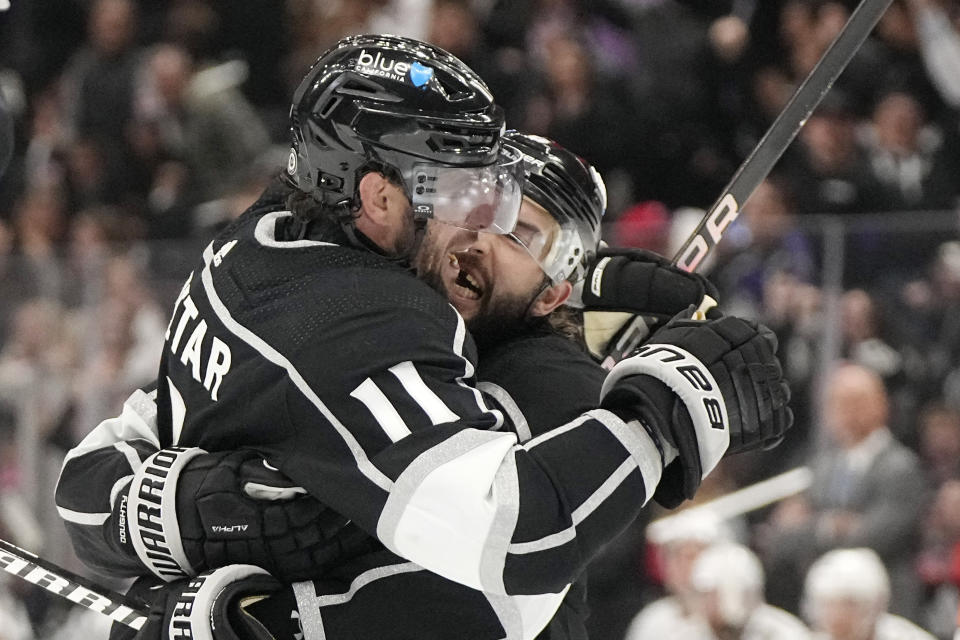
501	315
427	257
500	319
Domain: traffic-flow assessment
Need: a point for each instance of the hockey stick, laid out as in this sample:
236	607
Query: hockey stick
81	591
755	168
737	503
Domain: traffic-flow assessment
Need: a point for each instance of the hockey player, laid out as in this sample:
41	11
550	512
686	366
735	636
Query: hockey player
416	464
845	597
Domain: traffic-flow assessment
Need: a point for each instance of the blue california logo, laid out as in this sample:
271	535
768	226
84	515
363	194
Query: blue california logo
420	74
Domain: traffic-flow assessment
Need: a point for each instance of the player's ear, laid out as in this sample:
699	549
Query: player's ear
374	198
551	298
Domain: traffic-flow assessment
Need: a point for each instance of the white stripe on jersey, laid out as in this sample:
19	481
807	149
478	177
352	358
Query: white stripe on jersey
579	514
443	515
133	458
507	403
524	617
309	603
644	456
383	411
266	234
77	517
178	411
468	369
260	346
433	406
119	486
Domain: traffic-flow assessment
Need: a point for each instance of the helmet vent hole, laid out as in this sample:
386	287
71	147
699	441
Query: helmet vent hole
327	109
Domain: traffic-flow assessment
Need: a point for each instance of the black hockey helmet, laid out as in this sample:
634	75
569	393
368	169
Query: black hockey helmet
571	190
414	112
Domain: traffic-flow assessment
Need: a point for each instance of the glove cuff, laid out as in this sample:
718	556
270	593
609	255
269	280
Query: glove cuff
696	387
152	513
196	608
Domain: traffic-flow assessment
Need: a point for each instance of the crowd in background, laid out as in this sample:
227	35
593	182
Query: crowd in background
143	126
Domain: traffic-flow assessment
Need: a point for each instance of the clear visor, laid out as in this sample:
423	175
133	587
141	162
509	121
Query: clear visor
557	249
474	198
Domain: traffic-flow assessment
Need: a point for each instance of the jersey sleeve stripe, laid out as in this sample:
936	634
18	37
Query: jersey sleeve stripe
579	514
524	617
638	442
77	517
133	458
432	405
442	511
119	486
553	433
309	604
366	467
507	489
507	403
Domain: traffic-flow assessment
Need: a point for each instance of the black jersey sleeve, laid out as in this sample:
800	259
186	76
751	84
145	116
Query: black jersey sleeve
91	490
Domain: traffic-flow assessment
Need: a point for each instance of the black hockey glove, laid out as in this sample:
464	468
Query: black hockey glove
188	510
702	389
625	283
211	605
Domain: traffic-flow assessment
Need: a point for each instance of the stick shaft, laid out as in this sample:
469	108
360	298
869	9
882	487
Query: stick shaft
86	593
781	133
741	501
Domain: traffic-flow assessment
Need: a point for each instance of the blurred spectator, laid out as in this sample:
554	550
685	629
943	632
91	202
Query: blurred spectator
40	225
846	595
124	335
938	563
907	156
14	622
728	581
930	326
938	430
645	225
761	243
862	340
98	82
868	490
831	169
582	109
938	30
454	26
36	363
203	118
678	546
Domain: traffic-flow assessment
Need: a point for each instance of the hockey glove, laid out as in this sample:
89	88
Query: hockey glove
703	389
625	283
211	605
188	510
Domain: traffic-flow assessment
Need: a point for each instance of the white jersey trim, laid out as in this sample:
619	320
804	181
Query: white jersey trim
448	509
77	517
266	233
309	604
366	467
509	405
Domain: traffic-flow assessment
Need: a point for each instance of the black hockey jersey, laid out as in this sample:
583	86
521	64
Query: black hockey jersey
356	380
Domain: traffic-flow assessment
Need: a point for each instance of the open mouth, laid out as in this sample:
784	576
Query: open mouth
466	284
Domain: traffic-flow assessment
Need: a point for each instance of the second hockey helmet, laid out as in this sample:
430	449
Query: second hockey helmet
572	192
415	113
